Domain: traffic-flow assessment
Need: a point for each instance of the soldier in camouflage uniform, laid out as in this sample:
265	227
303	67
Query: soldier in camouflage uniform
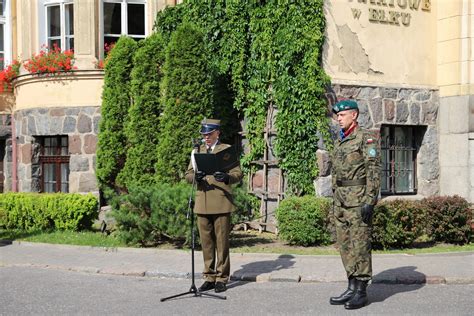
356	184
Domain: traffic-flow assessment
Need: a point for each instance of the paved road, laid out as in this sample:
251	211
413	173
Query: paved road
41	291
449	268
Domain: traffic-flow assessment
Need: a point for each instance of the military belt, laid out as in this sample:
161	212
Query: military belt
349	183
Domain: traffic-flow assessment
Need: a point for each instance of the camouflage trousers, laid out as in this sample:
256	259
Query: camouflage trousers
353	239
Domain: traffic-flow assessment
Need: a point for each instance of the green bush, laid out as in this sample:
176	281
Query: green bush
187	97
149	215
449	219
30	211
112	143
246	204
398	223
141	129
302	220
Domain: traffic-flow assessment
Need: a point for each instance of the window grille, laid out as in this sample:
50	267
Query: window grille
399	151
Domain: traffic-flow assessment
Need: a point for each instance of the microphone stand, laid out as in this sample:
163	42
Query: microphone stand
193	289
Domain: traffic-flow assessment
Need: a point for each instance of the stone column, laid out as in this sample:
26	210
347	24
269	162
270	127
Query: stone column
85	32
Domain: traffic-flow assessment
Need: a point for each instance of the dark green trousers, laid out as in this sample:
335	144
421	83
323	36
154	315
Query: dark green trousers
353	239
214	232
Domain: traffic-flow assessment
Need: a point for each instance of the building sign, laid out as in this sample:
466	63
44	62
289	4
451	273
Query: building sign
394	12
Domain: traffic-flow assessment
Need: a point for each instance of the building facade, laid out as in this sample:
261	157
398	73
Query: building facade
408	63
49	124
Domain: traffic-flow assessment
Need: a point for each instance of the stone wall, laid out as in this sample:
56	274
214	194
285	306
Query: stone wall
393	106
80	124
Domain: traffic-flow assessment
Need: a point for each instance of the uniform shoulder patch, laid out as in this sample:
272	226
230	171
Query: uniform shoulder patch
372	152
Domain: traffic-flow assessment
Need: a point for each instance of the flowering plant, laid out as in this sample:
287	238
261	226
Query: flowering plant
100	64
50	60
8	73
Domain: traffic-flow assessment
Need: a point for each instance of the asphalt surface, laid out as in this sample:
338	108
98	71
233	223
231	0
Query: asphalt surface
37	291
443	268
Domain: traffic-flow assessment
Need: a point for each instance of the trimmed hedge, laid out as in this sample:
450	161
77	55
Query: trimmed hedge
398	223
449	219
303	220
30	211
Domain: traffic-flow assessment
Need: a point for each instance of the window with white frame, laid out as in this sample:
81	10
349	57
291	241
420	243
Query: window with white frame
58	27
123	17
5	33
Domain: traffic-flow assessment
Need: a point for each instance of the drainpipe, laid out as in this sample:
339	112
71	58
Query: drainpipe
14	162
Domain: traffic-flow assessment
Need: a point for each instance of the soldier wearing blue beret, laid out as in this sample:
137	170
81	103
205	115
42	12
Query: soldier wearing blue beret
356	184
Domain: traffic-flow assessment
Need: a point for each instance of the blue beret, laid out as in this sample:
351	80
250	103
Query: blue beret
345	105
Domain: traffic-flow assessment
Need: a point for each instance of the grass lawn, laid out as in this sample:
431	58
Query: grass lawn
241	241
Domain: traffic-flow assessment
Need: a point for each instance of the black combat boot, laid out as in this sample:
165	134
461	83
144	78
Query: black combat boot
360	297
346	296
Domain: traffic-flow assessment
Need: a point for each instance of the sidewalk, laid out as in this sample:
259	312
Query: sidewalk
448	268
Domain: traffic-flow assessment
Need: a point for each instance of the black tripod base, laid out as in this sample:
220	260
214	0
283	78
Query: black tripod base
193	290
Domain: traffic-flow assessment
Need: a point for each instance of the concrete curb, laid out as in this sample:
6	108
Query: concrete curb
263	277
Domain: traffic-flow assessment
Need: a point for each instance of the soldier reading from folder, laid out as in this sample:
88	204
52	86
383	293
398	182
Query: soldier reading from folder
356	184
213	207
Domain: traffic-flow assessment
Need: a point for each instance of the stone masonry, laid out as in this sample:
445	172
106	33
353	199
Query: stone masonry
80	124
392	106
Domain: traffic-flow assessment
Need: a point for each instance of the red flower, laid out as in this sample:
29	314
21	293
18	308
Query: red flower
8	73
50	60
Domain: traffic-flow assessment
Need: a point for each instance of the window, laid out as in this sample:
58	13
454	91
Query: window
59	23
123	17
5	33
54	161
399	149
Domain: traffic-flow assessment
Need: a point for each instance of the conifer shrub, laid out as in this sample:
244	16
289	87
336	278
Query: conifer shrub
302	220
449	219
398	223
141	128
246	204
112	144
149	215
47	211
187	97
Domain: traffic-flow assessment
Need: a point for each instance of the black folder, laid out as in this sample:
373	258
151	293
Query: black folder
223	160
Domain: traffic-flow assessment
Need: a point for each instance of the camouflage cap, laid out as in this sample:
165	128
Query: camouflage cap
209	126
344	105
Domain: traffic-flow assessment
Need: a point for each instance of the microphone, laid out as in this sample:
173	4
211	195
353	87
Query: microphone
197	144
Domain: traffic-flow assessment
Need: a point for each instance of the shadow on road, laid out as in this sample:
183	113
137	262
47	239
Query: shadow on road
251	271
393	281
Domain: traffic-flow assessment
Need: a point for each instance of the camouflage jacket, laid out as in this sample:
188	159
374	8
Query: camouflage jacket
355	158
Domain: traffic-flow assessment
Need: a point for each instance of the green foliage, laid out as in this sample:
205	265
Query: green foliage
149	215
246	204
270	52
30	211
300	84
112	144
398	223
449	219
141	130
187	97
302	220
